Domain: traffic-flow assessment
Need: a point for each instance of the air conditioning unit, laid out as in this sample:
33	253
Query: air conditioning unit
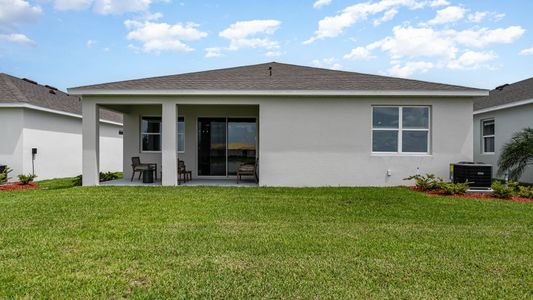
478	174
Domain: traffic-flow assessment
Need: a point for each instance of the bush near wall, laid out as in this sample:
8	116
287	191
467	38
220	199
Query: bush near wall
104	176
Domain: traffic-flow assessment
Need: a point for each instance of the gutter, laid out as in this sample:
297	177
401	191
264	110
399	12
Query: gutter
161	92
53	111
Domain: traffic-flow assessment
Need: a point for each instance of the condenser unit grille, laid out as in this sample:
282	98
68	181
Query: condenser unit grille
479	175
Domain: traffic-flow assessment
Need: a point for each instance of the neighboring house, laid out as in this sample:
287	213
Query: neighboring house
507	110
49	120
306	126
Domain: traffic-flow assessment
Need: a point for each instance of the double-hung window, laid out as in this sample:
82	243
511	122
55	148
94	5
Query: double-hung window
401	129
151	134
487	132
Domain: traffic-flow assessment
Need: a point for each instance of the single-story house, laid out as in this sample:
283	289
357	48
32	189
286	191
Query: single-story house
40	131
305	126
507	110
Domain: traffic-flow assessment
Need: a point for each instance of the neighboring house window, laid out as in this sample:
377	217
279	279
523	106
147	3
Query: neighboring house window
487	132
400	129
151	134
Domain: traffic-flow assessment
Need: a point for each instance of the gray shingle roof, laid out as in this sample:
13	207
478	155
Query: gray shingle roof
284	77
518	91
16	90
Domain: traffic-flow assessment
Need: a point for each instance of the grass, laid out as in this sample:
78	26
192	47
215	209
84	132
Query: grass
215	242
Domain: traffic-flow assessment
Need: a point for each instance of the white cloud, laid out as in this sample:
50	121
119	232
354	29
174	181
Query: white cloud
448	47
436	3
471	60
213	52
273	53
17	38
410	68
444	44
72	4
449	14
90	43
104	7
321	3
359	53
328	63
157	37
480	16
252	33
389	15
416	42
528	51
333	26
17	11
483	37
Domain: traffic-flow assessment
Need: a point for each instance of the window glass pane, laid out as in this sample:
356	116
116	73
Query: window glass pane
181	142
151	125
385	141
242	138
151	142
488	127
489	144
415	117
415	141
385	117
181	125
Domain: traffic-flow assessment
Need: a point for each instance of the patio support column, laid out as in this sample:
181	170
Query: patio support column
90	143
169	158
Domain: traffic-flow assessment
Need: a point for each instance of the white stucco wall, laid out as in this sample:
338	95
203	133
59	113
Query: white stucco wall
314	141
58	142
507	122
11	139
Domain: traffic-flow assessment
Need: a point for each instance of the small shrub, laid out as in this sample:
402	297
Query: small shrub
77	181
428	182
107	176
104	176
25	179
526	192
4	175
449	188
501	190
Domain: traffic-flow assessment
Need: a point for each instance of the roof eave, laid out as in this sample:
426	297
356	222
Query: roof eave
167	92
503	106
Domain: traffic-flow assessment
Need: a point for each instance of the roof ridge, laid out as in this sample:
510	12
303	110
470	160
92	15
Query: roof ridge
516	83
14	89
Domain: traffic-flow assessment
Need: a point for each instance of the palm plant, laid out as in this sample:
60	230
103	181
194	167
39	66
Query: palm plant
517	154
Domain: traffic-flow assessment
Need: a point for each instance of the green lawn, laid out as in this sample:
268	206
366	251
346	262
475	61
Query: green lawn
209	242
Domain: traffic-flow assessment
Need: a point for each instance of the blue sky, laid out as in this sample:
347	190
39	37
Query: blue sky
67	43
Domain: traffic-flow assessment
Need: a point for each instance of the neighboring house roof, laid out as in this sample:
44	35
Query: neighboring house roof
270	77
16	90
506	95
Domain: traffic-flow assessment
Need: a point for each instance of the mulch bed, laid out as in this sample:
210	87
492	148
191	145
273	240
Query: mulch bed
473	195
17	186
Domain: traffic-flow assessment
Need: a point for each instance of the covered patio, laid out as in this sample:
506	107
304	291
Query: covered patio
210	141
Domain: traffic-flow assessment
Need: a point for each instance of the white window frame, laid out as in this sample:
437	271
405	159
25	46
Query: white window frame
180	133
141	134
400	131
161	127
484	136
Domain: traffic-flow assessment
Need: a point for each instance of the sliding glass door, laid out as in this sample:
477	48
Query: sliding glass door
224	144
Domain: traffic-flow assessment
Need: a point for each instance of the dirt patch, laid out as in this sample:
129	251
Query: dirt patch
17	186
473	195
